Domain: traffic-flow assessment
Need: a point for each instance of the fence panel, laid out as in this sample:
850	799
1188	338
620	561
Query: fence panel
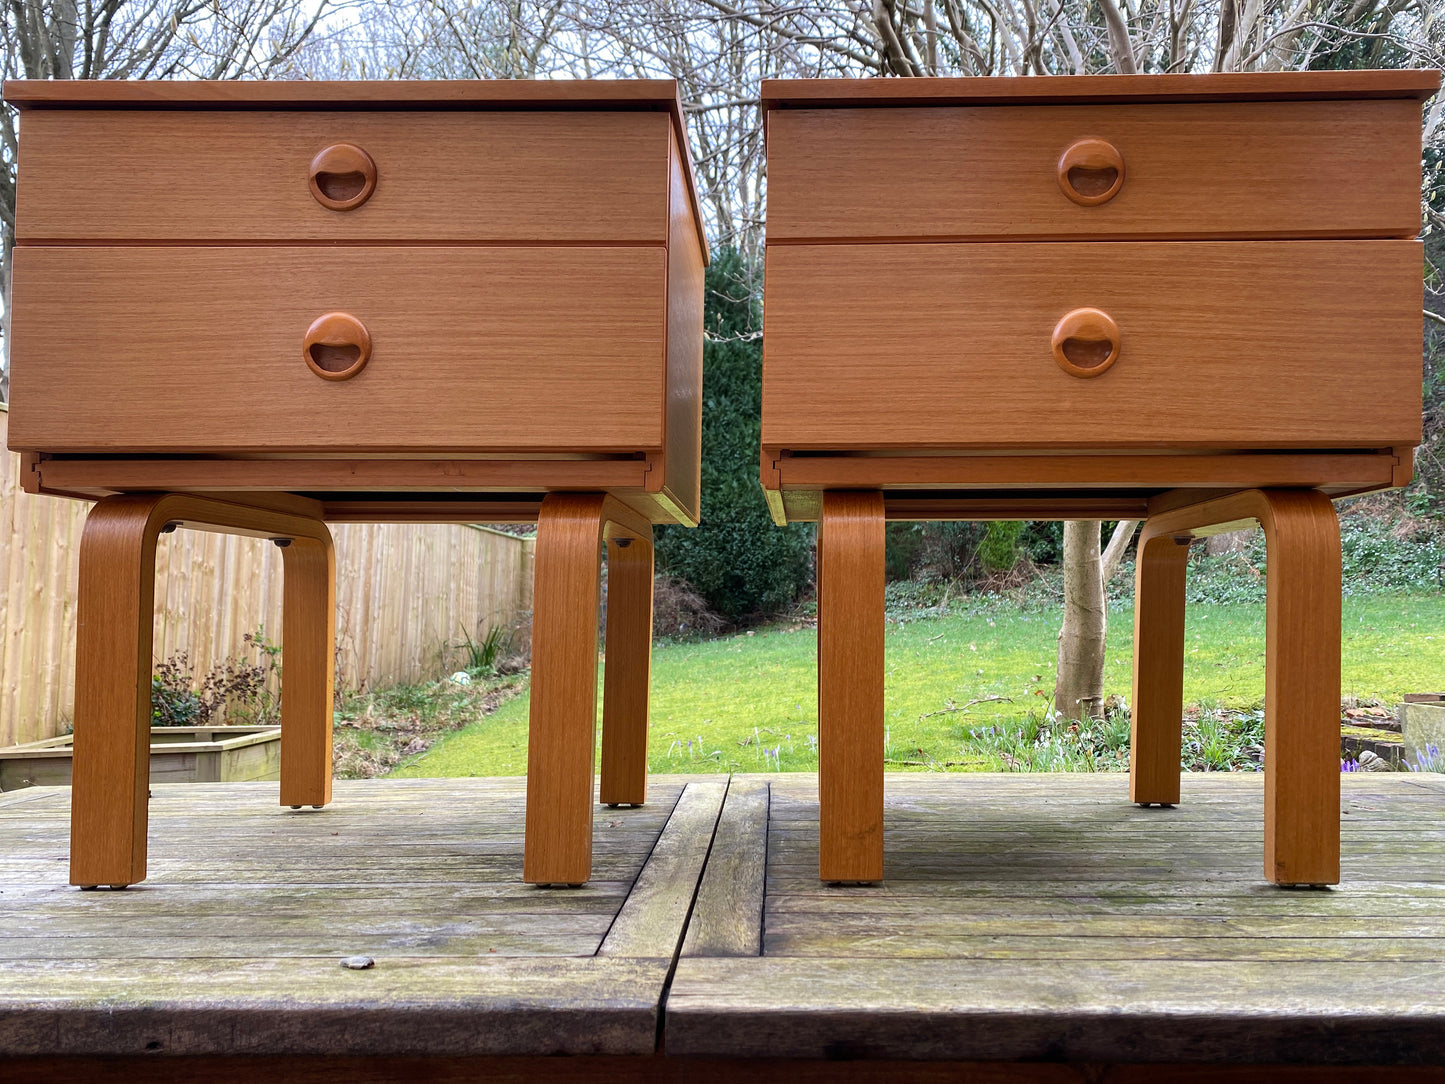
403	592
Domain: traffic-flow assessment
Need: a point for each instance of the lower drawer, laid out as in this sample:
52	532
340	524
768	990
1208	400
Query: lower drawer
1242	344
472	349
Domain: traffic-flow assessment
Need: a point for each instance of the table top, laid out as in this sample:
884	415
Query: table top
1098	89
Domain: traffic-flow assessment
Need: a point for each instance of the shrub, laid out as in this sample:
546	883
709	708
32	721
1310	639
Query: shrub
741	564
235	685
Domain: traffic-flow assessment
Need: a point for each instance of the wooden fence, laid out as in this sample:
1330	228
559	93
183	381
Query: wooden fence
403	593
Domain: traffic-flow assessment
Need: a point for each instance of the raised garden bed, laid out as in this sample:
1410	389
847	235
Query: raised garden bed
179	754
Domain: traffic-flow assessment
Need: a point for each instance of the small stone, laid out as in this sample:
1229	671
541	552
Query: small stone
358	963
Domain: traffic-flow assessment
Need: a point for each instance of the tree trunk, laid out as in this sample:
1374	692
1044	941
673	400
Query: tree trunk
1079	687
1114	551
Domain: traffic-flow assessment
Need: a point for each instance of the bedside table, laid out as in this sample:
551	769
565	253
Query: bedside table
263	307
1187	299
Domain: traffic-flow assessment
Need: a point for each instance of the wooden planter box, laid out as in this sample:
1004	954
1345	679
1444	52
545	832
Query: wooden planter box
179	754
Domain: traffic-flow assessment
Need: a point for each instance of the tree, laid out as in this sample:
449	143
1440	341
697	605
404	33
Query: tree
136	39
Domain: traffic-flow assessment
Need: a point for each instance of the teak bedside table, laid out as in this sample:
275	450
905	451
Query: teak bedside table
262	307
1187	299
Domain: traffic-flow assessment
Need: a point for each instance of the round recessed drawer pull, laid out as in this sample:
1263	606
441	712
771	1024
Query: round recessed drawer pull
1086	342
343	177
1091	172
337	346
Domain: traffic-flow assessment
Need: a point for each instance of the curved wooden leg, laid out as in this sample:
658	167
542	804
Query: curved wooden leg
308	679
627	671
1302	690
114	617
111	767
1302	671
850	686
563	728
1158	701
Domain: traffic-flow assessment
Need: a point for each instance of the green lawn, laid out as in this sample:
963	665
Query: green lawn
748	702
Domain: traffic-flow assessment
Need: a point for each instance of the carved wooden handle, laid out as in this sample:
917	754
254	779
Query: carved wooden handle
1091	172
337	346
1086	342
343	177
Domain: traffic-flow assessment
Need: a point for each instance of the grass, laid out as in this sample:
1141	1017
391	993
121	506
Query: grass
748	702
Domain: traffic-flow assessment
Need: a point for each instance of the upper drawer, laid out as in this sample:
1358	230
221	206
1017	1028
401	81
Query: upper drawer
484	348
1297	344
1223	169
141	175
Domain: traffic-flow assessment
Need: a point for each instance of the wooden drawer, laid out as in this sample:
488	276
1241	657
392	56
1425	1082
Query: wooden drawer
1223	345
1189	170
474	349
181	175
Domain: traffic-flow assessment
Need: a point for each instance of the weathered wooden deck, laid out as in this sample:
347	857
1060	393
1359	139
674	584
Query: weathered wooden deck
1023	919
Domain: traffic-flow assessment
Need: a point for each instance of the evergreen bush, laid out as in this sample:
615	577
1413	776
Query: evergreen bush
744	566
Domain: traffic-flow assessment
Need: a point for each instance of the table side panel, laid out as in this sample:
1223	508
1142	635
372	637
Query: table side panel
529	176
199	350
1302	344
682	461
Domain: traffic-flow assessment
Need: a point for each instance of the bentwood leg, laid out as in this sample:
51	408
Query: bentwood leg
850	686
563	730
1302	670
627	671
1158	699
1302	690
115	611
308	636
111	767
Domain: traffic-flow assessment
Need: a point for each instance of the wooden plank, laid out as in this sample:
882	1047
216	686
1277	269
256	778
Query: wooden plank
419	1004
727	919
578	938
652	921
840	375
571	339
657	1069
1101	1010
1187	171
1218	87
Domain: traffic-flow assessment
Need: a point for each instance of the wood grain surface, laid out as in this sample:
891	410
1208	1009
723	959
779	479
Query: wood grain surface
653	920
473	349
1302	669
252	907
115	603
680	482
850	686
627	671
521	177
1054	89
727	919
1245	170
1042	916
562	735
1081	471
1224	345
